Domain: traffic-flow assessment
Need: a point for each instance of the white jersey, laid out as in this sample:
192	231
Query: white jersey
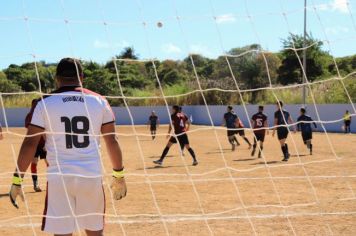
72	118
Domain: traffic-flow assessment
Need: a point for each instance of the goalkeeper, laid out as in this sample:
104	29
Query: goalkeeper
72	119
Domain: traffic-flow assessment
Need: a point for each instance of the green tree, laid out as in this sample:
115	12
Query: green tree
317	60
23	76
7	86
250	66
168	73
346	65
126	53
204	66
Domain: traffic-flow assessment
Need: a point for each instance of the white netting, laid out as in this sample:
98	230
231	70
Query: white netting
197	208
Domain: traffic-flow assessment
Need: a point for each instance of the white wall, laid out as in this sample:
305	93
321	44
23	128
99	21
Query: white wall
328	113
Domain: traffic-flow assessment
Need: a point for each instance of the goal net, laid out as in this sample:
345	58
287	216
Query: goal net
146	56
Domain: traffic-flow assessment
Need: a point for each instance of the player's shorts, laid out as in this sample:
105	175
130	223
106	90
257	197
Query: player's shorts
231	132
307	136
259	136
282	132
182	139
240	132
41	153
78	203
347	122
153	127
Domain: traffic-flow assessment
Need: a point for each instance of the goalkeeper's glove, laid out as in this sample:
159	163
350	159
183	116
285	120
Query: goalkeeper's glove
16	190
118	185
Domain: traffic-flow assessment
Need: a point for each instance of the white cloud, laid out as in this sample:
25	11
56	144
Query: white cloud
106	45
340	5
335	5
171	48
337	30
225	18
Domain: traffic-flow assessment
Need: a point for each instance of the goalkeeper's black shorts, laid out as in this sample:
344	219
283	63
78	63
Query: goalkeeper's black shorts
41	153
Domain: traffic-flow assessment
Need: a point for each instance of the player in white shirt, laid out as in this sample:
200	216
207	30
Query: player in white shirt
72	118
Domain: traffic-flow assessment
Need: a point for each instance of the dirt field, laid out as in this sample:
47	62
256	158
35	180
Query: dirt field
228	193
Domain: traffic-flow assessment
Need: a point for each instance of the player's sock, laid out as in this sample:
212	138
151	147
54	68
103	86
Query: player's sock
287	151
231	140
237	142
34	180
34	174
246	140
283	150
190	150
181	146
34	177
195	162
253	149
164	153
308	142
260	151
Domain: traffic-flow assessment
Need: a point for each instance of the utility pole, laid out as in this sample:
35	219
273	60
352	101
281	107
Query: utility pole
304	53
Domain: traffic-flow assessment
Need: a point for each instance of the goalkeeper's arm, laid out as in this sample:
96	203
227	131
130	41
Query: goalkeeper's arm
118	184
27	152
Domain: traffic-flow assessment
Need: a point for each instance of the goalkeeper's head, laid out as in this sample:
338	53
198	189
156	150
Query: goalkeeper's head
69	72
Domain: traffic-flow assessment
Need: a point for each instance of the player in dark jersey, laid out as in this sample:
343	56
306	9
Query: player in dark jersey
153	122
281	120
229	121
181	144
180	123
304	125
259	124
40	150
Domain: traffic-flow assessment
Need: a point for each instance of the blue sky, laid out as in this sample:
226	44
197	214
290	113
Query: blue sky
98	29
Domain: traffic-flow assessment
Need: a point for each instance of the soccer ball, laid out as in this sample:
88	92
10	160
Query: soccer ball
159	24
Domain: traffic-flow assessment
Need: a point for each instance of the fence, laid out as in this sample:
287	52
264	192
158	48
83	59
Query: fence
200	115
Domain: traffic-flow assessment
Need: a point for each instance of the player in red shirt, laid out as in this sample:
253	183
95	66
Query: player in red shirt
241	131
259	124
40	150
180	123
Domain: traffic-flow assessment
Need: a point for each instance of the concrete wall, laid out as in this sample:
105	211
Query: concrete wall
199	114
328	114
